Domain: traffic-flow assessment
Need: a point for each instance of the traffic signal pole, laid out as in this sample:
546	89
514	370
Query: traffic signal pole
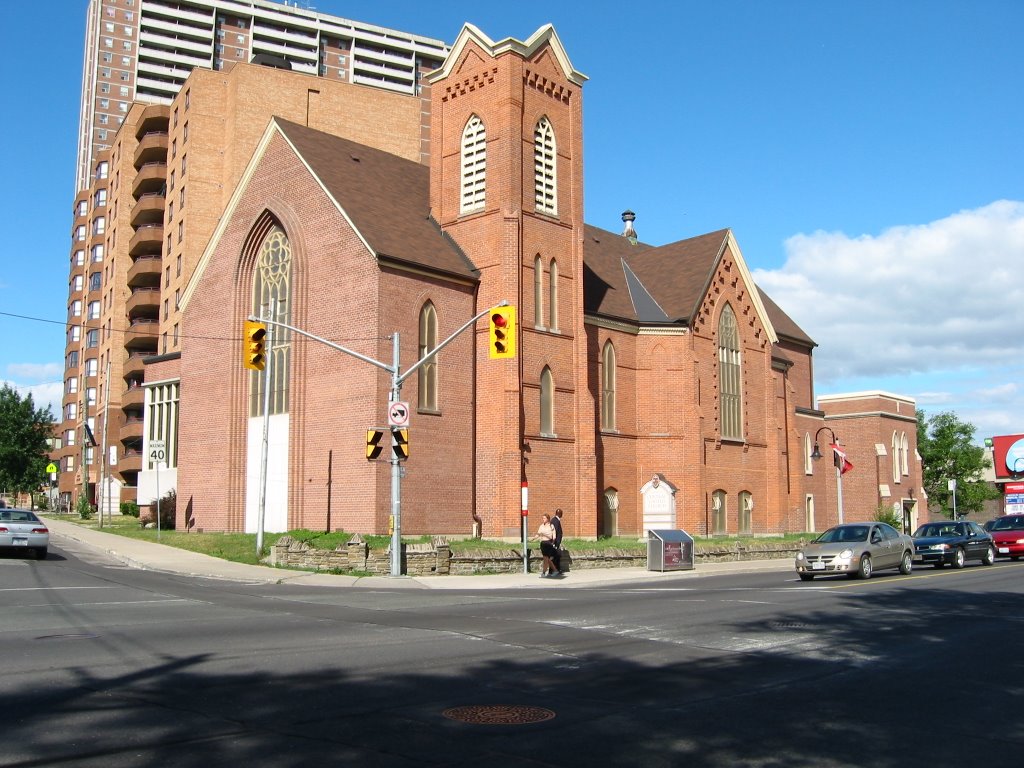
397	379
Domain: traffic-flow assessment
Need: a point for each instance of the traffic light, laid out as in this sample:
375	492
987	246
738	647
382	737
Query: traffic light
253	355
374	443
503	333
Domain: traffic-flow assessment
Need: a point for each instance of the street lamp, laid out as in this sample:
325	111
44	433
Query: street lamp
816	454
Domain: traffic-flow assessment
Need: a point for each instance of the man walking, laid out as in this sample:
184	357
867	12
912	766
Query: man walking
556	521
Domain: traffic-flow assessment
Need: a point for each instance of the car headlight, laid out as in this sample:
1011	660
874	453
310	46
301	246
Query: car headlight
1020	541
846	554
942	546
799	555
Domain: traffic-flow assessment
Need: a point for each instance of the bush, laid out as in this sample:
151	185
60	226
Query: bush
129	509
84	508
168	503
886	514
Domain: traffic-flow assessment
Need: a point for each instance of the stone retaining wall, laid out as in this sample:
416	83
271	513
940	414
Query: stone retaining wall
437	559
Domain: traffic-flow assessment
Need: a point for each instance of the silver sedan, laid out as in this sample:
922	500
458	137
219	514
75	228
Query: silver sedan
856	549
24	531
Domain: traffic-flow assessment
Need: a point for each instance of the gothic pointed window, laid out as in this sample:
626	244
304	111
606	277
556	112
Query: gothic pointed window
547	403
729	378
474	166
427	374
538	292
608	387
271	298
553	296
544	168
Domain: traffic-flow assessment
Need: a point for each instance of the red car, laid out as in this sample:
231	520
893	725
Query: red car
1008	535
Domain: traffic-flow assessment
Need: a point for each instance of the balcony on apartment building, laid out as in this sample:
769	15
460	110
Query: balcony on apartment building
134	368
147	240
149	209
133	399
143	303
130	460
132	429
151	178
154	118
145	272
142	335
152	147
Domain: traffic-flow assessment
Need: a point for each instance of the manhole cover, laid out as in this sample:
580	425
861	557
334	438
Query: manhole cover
499	714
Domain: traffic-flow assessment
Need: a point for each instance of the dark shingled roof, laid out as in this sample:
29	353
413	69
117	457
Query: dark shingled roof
784	325
388	200
386	197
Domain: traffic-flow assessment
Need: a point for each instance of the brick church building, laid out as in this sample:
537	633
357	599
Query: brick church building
653	386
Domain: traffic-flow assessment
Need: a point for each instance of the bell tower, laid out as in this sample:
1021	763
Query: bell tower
507	186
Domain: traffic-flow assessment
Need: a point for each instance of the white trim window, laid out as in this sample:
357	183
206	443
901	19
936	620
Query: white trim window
474	166
545	179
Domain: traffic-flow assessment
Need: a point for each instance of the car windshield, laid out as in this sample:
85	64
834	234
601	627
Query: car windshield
937	529
1008	524
844	533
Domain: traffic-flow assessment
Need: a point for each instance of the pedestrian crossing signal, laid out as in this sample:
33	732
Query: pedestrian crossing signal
253	354
503	333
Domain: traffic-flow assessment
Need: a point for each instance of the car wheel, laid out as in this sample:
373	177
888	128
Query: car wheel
990	556
864	569
40	553
806	577
906	564
958	558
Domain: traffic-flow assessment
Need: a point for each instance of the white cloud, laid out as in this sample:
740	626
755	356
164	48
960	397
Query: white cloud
35	371
46	394
920	305
919	298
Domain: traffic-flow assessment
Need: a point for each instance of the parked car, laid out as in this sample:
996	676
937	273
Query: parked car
953	542
23	530
1008	535
856	549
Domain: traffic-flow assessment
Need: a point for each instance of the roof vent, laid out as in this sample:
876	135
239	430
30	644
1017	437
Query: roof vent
628	217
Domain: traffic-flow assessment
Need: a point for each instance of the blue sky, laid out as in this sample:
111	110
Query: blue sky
867	156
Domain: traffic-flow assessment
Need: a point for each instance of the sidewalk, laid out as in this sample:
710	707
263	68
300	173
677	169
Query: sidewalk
162	558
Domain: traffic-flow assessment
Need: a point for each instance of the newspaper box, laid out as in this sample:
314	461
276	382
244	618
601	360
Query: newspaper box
669	551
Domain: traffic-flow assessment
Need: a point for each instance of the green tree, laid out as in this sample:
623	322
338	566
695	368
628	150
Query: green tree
948	452
24	432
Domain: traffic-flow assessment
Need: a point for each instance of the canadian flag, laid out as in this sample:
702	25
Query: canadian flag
842	463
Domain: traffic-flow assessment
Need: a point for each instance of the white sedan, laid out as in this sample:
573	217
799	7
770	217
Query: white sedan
23	530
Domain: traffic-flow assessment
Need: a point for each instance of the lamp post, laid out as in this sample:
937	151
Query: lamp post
816	454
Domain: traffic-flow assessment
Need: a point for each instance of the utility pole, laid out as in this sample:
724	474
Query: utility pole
395	395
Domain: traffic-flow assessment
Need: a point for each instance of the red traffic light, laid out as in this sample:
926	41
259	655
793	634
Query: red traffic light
499	320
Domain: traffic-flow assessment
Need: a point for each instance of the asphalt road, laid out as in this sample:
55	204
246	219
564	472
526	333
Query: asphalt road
103	665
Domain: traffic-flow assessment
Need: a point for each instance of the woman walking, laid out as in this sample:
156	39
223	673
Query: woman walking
546	534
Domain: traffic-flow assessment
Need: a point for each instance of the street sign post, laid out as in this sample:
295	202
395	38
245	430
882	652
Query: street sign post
157	455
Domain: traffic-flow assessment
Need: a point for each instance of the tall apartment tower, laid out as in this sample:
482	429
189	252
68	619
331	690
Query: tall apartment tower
144	50
175	96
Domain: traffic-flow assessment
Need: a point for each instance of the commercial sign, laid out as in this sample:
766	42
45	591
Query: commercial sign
1008	456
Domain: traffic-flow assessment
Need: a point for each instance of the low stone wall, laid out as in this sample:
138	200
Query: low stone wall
437	559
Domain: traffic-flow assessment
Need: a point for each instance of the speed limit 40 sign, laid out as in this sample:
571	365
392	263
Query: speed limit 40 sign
157	451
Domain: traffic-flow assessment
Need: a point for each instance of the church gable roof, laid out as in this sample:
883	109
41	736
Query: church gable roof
385	197
645	284
528	49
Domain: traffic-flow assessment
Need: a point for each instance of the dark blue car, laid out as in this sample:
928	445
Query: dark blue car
953	542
